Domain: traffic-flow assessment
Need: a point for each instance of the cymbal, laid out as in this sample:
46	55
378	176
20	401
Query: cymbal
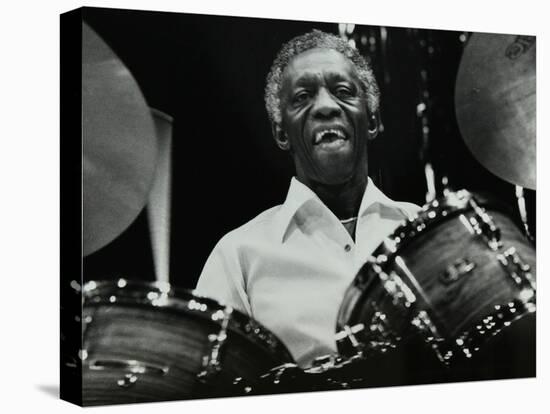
495	100
118	144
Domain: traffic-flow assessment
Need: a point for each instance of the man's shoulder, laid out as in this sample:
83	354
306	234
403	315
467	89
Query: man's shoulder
260	226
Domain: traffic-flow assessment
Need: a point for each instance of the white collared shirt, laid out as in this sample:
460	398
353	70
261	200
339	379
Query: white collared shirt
289	267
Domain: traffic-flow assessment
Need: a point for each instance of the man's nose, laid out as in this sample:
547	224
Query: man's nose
325	105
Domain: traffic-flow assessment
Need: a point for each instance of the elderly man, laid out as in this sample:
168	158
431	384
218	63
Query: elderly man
290	266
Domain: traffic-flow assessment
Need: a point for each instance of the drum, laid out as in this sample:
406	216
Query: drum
150	342
453	288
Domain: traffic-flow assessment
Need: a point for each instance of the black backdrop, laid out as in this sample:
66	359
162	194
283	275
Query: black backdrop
208	73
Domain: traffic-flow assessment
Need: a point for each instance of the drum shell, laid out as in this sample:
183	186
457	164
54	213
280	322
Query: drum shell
458	305
138	350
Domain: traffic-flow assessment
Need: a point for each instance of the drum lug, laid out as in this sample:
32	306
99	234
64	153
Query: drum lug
398	290
211	363
484	225
423	323
381	335
519	271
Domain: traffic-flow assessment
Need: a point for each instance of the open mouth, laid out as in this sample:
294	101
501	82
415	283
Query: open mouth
329	136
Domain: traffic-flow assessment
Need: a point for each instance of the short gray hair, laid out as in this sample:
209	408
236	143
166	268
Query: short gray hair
303	43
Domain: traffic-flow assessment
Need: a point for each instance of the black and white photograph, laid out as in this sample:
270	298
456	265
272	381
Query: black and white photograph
276	206
267	209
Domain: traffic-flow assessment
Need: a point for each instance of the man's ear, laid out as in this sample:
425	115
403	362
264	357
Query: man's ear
374	125
281	138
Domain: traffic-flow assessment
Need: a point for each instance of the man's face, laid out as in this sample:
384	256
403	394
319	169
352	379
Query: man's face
324	117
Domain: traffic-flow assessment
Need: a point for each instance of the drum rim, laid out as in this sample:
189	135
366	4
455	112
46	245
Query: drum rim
99	292
442	208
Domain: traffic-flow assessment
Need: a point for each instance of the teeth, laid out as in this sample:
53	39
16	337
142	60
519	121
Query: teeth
321	134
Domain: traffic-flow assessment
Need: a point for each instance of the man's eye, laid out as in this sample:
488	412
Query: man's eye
300	97
343	92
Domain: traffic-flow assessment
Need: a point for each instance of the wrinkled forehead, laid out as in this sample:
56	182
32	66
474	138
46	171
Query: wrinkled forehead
319	64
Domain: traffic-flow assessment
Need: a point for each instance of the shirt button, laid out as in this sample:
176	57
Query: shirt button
347	247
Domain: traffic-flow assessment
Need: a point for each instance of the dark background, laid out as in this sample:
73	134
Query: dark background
208	73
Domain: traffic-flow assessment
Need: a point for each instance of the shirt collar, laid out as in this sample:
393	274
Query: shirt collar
299	194
373	198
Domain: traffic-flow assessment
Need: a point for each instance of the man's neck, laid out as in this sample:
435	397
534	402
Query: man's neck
343	200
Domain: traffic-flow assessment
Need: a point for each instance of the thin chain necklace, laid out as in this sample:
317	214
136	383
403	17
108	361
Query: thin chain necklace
348	220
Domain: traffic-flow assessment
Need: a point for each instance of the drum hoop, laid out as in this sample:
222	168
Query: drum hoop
184	301
501	318
429	217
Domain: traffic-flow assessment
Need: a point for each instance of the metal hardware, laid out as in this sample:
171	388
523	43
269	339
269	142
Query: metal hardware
243	385
523	213
484	225
407	292
467	224
266	338
211	363
347	336
127	381
133	367
457	270
517	269
130	365
400	293
380	335
323	363
469	342
425	326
